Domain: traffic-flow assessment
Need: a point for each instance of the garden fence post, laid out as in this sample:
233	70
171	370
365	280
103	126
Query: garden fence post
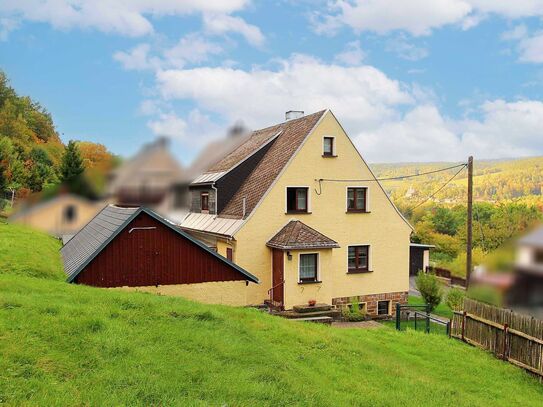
427	318
505	341
398	310
463	325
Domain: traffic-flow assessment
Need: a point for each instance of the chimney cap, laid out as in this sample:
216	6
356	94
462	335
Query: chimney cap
293	114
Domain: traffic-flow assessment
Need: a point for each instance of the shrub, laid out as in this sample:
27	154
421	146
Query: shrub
455	299
429	288
353	313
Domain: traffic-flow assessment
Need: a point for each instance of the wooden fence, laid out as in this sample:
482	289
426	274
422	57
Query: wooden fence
510	336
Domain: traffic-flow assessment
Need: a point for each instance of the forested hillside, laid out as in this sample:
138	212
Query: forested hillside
31	150
494	180
508	202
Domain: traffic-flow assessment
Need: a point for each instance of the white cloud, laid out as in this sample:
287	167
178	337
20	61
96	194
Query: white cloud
529	45
137	58
420	17
191	49
506	129
169	125
368	103
516	33
405	50
531	48
222	24
126	17
258	96
6	26
193	132
352	54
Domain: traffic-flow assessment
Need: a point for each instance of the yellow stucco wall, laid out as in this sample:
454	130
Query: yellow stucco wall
223	292
49	216
383	229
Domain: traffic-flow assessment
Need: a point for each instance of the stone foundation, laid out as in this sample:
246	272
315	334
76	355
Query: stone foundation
371	301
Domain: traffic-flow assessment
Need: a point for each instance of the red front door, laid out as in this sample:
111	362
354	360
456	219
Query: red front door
278	277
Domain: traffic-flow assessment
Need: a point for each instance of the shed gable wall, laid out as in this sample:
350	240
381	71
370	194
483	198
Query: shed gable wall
148	257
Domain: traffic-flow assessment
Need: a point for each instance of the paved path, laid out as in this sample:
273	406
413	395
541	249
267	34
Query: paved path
361	324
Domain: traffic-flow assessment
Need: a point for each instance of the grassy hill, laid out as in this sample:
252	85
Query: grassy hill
63	344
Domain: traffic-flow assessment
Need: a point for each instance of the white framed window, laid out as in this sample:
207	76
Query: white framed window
308	268
329	146
297	199
357	199
359	258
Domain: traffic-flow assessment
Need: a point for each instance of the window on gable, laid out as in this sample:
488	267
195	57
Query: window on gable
358	259
204	201
308	267
297	199
328	147
70	213
357	199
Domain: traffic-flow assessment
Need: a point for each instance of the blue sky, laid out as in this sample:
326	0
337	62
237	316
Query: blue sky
410	81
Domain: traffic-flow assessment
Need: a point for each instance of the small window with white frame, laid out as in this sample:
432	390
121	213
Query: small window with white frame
308	267
358	259
357	199
329	146
297	200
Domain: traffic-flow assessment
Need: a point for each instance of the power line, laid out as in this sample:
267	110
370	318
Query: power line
393	178
440	188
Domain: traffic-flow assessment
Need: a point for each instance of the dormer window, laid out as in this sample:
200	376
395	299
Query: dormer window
204	201
328	147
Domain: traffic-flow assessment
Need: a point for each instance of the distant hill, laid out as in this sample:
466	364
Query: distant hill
494	180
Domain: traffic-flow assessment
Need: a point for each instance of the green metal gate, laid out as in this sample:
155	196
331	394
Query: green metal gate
419	318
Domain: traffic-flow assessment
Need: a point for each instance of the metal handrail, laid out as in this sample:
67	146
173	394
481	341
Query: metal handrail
275	286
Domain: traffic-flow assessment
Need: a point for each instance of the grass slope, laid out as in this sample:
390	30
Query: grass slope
63	344
28	252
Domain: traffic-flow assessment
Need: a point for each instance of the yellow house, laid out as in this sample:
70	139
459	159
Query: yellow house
297	206
61	216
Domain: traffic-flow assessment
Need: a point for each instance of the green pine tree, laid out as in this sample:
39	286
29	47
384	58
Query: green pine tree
71	167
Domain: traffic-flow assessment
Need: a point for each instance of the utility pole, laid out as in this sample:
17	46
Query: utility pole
469	239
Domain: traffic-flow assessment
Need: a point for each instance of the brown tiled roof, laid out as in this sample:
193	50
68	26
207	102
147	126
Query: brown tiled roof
297	235
292	134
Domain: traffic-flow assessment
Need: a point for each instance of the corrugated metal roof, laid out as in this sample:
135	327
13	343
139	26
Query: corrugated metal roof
208	177
204	222
103	228
81	248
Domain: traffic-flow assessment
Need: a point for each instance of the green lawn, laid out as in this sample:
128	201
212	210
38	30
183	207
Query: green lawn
28	252
64	344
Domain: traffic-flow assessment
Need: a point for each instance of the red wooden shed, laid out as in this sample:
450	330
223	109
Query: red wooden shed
135	247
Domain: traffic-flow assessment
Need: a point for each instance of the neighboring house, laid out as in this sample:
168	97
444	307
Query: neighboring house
152	178
338	241
61	216
419	257
135	247
527	288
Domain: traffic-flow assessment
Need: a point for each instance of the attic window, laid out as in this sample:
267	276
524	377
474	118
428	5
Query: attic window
70	213
328	147
204	201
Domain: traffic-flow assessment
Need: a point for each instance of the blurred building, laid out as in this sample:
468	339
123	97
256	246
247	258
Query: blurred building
61	216
152	178
527	289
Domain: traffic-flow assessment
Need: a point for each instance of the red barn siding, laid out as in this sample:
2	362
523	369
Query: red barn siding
153	257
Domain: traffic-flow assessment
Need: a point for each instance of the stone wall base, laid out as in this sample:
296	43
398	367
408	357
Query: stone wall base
371	300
